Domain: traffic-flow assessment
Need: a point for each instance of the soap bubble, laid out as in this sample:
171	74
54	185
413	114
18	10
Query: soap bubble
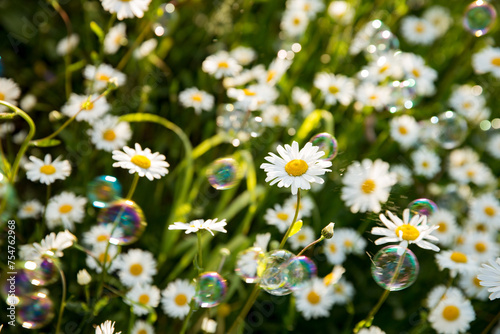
403	95
129	219
479	17
223	173
238	124
42	271
273	276
167	18
20	283
385	263
327	143
247	264
451	129
211	289
422	207
379	39
35	311
103	190
299	271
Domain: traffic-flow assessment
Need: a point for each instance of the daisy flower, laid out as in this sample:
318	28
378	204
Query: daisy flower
367	185
89	108
303	99
341	11
414	68
294	22
115	38
487	61
371	330
100	235
104	74
440	18
221	64
197	99
67	44
403	175
465	101
302	238
28	102
335	88
351	240
305	207
109	133
280	216
489	276
176	297
107	327
253	97
486	208
310	7
405	130
472	286
426	162
6	128
126	9
194	226
146	48
83	277
9	92
142	327
373	96
99	252
30	209
65	209
452	315
148	295
295	168
243	55
262	240
343	292
275	115
442	292
456	262
136	267
480	246
493	146
382	68
334	251
448	228
143	162
418	31
314	300
406	231
52	245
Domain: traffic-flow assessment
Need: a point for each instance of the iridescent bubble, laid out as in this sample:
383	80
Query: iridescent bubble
403	95
129	220
452	200
422	207
479	17
35	311
19	283
223	173
238	125
273	275
385	266
299	271
451	129
211	289
42	271
380	40
167	18
247	264
103	190
327	143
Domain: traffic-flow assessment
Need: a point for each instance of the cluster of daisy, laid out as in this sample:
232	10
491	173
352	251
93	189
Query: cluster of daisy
434	23
298	14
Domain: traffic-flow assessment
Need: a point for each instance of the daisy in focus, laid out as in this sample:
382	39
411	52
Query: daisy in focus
295	168
143	162
86	108
314	300
456	262
147	295
176	297
126	9
367	185
47	171
109	133
107	327
65	209
406	231
197	99
136	267
452	315
489	276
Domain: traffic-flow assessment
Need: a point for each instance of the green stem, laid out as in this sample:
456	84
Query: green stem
134	46
491	324
67	56
244	311
63	299
311	244
188	317
133	186
282	244
200	253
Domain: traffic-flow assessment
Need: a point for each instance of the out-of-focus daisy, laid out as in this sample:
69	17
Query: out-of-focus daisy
481	246
83	277
448	229
197	99
334	251
405	130
6	128
426	162
489	276
243	55
440	18
194	226
148	295
176	297
418	31
143	162
92	107
351	240
382	68
294	22
276	69
109	133
341	11
142	327
367	185
19	137
99	252
221	64
487	61
310	7
406	231
373	96
472	287
262	240
441	292
452	315
67	44
115	38
403	175
28	102
30	209
302	238
343	292
9	92
47	171
65	209
335	88
52	245
415	68
253	97
371	330
275	115
126	9
486	208
280	216
100	235
305	207
493	146
474	172
295	168
469	104
104	74
314	300
136	267
303	99
456	262
146	48
107	327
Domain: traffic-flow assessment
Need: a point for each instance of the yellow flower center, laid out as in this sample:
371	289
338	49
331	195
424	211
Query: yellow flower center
442	227
339	288
144	299
403	130
296	167
373	97
471	172
489	211
2	96
109	135
495	61
333	249
87	105
296	21
102	77
248	92
313	298
333	89
383	69
327	280
282	216
410	232
458	257
480	247
141	161
180	299
419	28
476	282
460	240
425	164
223	64
101	257
451	312
270	75
348	243
65	208
142	331
481	228
466	105
102	238
301	237
136	269
196	97
29	209
368	186
416	73
47	169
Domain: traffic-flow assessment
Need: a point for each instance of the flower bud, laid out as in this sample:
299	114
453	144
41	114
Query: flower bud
83	277
327	232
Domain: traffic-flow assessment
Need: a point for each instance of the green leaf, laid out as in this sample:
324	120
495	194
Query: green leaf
45	142
295	228
100	305
97	30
